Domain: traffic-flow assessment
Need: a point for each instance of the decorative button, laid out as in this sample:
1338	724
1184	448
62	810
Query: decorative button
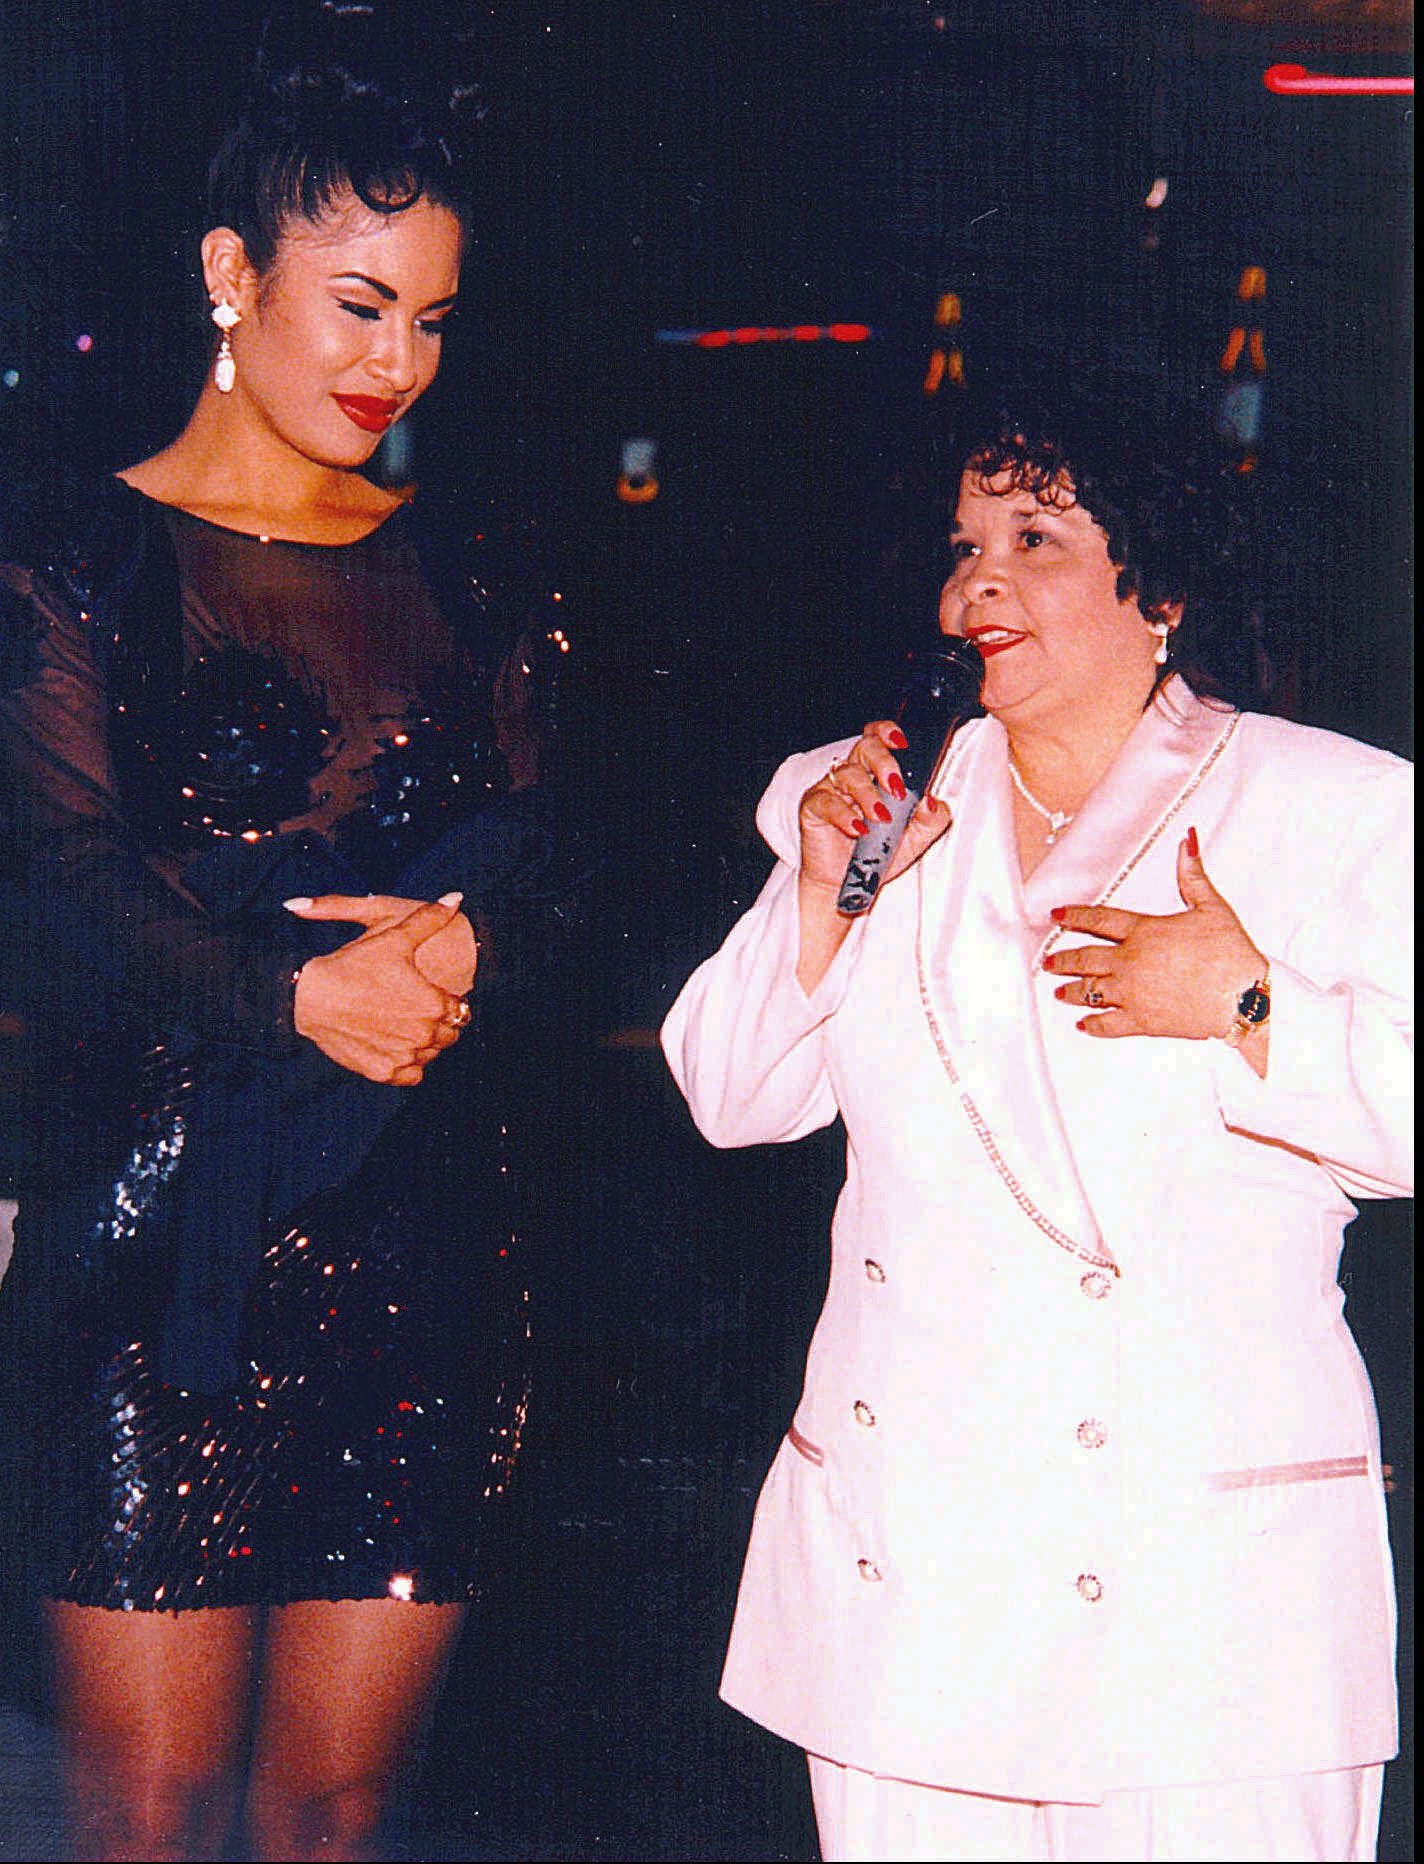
863	1413
872	1574
1090	1587
1091	1434
873	1271
1096	1285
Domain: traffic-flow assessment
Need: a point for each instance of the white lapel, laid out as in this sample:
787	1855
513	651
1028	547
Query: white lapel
983	932
1142	795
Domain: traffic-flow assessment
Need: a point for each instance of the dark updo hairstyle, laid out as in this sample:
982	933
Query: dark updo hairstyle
1153	475
348	99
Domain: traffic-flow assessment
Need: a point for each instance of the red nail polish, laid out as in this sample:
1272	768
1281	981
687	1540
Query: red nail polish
895	783
861	828
882	813
931	804
1059	913
1193	846
1082	1024
1061	992
898	740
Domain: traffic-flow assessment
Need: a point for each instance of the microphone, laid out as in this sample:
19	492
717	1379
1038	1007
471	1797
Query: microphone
942	686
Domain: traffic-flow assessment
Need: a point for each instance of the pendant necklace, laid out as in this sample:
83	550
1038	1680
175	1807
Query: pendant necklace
1057	819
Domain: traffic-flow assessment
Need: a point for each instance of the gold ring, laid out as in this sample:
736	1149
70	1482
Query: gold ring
1094	997
460	1015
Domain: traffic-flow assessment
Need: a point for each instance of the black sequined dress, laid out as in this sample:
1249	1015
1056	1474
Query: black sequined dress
262	1338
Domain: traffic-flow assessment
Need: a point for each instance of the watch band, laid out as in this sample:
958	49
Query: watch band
1253	1007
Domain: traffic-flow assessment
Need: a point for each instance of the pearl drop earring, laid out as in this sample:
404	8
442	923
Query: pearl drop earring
1162	629
227	318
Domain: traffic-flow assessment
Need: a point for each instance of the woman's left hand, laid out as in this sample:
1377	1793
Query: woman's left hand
1178	974
447	959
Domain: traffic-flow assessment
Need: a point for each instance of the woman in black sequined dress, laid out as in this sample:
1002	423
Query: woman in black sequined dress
262	1332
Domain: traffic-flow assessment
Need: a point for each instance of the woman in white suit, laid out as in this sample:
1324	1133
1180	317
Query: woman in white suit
1076	1546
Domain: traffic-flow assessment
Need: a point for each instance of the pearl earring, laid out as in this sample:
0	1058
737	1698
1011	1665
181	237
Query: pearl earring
1162	629
227	318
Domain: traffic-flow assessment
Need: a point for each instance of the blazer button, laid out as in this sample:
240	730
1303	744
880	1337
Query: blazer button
873	1271
1096	1285
1090	1587
863	1413
1091	1434
869	1571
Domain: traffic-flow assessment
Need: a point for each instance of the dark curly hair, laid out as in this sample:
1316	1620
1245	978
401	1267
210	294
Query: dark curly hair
348	99
1152	473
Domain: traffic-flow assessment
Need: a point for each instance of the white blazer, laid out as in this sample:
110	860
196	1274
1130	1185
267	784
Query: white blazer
1083	1492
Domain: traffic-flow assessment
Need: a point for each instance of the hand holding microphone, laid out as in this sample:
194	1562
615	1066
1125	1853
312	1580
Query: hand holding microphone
872	798
875	793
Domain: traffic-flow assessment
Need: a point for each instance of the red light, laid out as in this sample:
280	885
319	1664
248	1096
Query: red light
768	333
1296	81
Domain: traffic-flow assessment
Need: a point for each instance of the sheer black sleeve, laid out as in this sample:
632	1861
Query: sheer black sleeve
107	931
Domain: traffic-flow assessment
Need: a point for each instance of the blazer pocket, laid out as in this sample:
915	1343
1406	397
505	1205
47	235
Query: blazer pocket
1279	1475
803	1446
1274	1498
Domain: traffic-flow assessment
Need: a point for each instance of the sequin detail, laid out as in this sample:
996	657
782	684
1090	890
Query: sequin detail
162	1099
354	1460
234	751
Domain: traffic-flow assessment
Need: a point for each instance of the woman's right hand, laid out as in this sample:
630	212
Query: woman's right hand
836	812
366	1005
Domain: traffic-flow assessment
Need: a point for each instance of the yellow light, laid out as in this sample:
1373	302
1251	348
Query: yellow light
643	492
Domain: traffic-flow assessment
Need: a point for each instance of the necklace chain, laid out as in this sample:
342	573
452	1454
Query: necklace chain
1057	819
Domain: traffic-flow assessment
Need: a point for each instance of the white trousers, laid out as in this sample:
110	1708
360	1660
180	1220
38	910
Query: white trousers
1309	1818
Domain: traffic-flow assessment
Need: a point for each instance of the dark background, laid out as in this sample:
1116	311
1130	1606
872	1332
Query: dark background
762	163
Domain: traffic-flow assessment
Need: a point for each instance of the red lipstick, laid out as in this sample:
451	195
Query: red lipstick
989	648
371	413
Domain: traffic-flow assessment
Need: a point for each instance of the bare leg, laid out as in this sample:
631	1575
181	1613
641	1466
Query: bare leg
345	1692
152	1710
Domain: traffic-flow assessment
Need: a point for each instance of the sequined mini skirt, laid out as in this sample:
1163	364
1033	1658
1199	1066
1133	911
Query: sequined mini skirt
376	1418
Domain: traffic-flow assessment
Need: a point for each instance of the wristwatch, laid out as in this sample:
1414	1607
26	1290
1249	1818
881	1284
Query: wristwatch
1253	1007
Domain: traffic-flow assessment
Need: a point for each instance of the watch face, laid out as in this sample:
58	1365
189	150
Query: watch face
1254	1005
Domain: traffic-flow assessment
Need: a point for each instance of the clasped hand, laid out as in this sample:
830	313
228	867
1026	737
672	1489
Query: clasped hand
1174	974
385	1004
